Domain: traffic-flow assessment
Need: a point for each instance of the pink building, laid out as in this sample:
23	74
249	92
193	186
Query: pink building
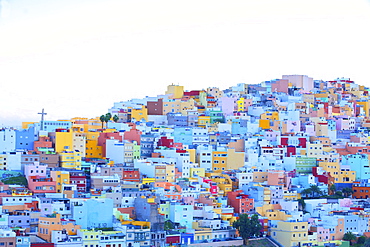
39	184
281	85
104	136
133	135
35	169
323	234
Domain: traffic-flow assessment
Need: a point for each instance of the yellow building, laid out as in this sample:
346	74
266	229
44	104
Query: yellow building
264	124
176	91
219	160
365	106
235	160
240	104
139	114
203	234
197	172
90	237
93	150
70	159
290	233
274	116
204	121
170	173
192	155
164	209
69	140
3	162
60	178
186	105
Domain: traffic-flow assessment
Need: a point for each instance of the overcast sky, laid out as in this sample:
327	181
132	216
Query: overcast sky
77	57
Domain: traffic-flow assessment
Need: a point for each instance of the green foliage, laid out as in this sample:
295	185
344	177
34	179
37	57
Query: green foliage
18	180
316	190
361	240
306	192
248	227
108	116
339	193
367	242
102	119
302	204
349	236
347	192
168	225
115	118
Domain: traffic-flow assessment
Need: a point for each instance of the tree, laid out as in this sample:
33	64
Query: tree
115	118
248	227
361	240
306	192
339	193
17	180
349	236
367	242
108	116
332	189
315	190
168	225
302	204
347	192
102	119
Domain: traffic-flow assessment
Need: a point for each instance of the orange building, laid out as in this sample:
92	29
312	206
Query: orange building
54	222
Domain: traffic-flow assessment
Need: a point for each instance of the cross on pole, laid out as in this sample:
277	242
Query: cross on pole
42	118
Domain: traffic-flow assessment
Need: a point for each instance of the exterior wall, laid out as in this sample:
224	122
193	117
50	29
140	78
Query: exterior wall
7	140
93	213
25	138
60	178
70	159
290	233
93	150
155	107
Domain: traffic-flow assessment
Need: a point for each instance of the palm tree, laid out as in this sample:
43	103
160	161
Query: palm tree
108	116
315	190
102	119
306	192
115	118
332	189
349	236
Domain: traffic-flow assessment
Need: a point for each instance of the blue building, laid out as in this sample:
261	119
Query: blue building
93	213
24	138
183	135
177	119
358	163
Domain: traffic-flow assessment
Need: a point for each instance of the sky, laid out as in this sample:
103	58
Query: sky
75	58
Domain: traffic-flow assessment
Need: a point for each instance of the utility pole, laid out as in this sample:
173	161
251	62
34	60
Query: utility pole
42	118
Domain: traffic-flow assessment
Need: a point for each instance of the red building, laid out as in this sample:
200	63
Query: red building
79	179
165	142
104	136
240	202
43	142
173	239
131	174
